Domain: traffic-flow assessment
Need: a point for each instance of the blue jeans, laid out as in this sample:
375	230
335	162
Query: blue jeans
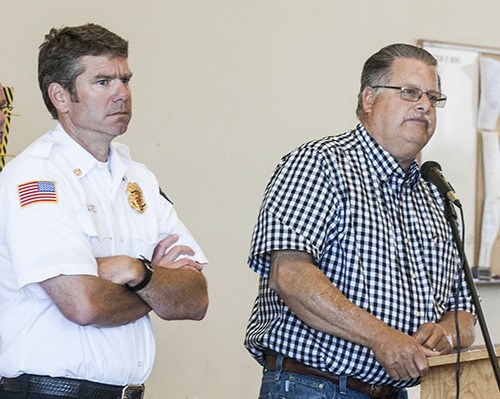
284	385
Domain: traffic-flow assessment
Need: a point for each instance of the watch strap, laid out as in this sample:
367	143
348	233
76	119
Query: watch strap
148	269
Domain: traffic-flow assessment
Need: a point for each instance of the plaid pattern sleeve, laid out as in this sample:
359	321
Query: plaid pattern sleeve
296	211
379	235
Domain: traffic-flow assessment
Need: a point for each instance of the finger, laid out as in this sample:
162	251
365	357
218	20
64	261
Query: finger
184	262
438	342
445	345
178	250
420	337
407	368
188	267
443	349
431	343
394	374
431	352
197	266
180	263
163	245
421	363
424	332
417	368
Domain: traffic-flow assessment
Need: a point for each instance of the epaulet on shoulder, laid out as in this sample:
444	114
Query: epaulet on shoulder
41	148
165	196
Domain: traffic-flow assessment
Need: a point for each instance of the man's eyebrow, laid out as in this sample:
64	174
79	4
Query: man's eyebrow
104	76
113	76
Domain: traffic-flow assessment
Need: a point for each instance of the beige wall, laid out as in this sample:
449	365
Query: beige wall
222	89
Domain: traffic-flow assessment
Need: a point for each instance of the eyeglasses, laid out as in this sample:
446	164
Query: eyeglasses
6	107
413	94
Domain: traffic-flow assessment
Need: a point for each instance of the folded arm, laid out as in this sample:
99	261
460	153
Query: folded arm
177	289
90	300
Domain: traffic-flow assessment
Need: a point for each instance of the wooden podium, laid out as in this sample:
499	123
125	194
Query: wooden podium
477	380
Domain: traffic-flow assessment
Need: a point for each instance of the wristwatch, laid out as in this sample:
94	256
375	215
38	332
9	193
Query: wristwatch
148	269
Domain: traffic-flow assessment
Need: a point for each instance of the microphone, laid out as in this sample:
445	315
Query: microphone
431	171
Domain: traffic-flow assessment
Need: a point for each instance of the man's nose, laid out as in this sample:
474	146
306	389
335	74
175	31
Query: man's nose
122	91
423	104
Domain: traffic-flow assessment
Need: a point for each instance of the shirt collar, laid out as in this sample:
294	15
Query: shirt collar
384	166
82	162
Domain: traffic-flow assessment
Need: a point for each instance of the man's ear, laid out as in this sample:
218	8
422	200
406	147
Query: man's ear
368	99
59	96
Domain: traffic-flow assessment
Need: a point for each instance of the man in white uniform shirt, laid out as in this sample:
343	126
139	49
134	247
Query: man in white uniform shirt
88	243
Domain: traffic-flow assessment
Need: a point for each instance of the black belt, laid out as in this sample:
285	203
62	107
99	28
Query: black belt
293	366
69	387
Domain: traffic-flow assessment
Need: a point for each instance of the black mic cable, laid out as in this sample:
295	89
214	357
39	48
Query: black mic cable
431	172
457	326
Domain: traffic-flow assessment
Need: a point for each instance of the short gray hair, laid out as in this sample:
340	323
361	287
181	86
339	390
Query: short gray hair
378	68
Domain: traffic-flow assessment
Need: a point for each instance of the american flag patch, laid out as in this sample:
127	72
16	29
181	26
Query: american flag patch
35	192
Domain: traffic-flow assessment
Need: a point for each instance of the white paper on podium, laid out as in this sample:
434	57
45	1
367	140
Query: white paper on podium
489	102
491	210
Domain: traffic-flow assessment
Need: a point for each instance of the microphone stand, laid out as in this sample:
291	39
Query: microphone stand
451	216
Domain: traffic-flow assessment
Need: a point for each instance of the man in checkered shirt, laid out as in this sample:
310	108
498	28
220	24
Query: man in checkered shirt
360	277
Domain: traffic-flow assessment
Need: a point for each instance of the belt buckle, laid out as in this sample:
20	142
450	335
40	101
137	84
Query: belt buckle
375	392
131	389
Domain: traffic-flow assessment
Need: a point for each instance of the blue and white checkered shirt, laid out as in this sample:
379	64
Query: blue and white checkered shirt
377	233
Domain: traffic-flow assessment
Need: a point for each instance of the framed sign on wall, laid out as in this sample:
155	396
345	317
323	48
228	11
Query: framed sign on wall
467	144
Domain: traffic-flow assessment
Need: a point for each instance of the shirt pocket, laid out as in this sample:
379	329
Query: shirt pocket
439	257
144	232
97	233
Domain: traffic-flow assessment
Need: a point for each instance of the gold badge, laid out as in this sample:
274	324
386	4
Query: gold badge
135	198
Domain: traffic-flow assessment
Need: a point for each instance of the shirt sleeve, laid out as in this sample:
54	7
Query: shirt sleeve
42	237
297	211
462	301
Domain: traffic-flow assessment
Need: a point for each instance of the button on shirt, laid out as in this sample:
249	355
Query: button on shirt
85	215
376	232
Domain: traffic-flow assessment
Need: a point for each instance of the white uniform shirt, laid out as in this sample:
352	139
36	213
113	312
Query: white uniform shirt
87	215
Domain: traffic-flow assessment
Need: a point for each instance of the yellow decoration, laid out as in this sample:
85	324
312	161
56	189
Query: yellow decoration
9	96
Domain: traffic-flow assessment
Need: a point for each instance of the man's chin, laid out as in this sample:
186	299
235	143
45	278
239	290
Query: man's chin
120	125
420	130
121	128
